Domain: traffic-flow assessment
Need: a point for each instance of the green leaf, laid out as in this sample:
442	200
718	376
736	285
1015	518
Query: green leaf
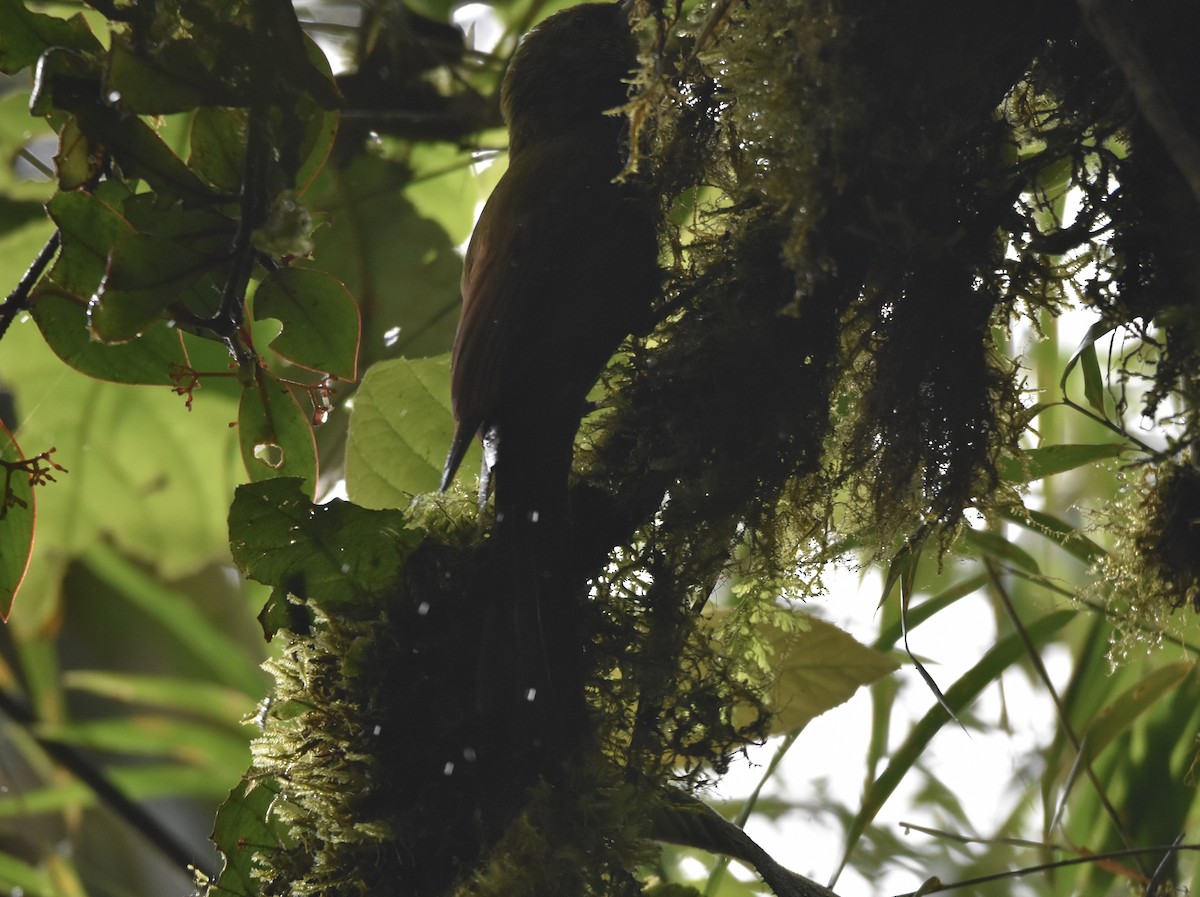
957	698
145	473
146	275
194	632
447	187
332	553
297	60
205	230
395	262
218	146
902	570
317	111
206	700
275	434
155	358
25	35
142	154
89	226
142	735
171	79
400	430
1063	534
17	877
63	81
321	128
242	827
1093	381
819	669
141	783
16	520
1117	717
1038	463
995	546
319	317
1085	354
77	162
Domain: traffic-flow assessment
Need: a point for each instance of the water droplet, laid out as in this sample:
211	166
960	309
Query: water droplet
531	694
391	336
469	754
114	96
378	729
422	608
448	769
534	516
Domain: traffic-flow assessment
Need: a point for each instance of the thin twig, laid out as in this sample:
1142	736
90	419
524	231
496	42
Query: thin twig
933	886
1160	872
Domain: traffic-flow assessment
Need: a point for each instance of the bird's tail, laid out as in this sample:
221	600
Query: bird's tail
458	448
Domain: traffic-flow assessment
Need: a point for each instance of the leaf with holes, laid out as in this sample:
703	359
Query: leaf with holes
275	434
334	553
319	317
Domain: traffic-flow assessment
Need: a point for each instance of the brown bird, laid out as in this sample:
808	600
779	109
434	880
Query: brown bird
562	266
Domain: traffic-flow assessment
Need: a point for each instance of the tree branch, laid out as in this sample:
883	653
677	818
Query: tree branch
1147	89
18	300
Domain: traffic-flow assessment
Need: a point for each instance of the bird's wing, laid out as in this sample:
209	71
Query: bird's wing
513	262
491	293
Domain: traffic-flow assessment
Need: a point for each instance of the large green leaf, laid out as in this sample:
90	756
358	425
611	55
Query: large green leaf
172	79
400	430
89	224
818	669
401	268
333	553
25	35
1116	718
218	146
144	471
1038	463
155	358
